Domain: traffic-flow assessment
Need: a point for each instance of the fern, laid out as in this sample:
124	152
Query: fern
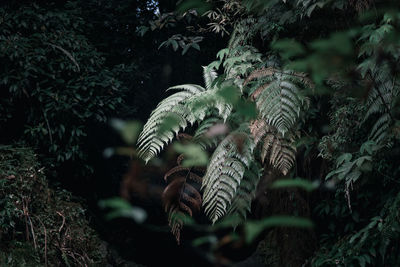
225	172
180	197
241	203
151	141
278	97
200	137
381	100
189	105
279	149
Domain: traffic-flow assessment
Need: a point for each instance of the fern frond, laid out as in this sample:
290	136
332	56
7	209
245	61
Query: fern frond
192	88
209	76
207	102
381	100
278	148
201	131
380	128
279	99
225	171
181	197
180	106
241	203
270	71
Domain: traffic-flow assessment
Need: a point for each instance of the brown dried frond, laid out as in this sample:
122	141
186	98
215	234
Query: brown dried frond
263	72
258	91
280	150
258	128
182	197
175	170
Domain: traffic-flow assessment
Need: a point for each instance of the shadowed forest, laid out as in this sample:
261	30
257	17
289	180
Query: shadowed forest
200	133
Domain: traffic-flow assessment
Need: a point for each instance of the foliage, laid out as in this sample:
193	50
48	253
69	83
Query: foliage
336	86
40	225
305	88
53	81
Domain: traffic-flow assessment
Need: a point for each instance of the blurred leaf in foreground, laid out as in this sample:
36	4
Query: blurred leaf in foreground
193	154
301	183
254	228
200	6
129	130
122	208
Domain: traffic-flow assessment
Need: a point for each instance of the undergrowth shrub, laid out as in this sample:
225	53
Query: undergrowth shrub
39	224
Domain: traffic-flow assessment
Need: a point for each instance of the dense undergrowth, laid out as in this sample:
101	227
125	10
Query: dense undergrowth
39	224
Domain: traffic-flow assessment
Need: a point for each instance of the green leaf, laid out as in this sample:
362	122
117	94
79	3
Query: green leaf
122	208
222	53
208	239
254	228
194	155
129	130
369	146
200	6
304	184
345	157
196	46
169	122
246	108
288	48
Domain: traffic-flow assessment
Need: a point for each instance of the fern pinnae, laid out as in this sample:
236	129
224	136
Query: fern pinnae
381	101
279	149
241	203
224	174
209	76
192	88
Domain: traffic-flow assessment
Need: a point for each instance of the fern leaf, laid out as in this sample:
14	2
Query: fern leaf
181	197
241	203
201	131
225	171
150	140
280	102
191	88
381	100
278	148
209	76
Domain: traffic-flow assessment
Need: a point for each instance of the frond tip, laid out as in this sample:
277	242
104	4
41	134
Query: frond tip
152	140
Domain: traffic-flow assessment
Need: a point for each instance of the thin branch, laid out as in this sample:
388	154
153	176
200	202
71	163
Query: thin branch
48	127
